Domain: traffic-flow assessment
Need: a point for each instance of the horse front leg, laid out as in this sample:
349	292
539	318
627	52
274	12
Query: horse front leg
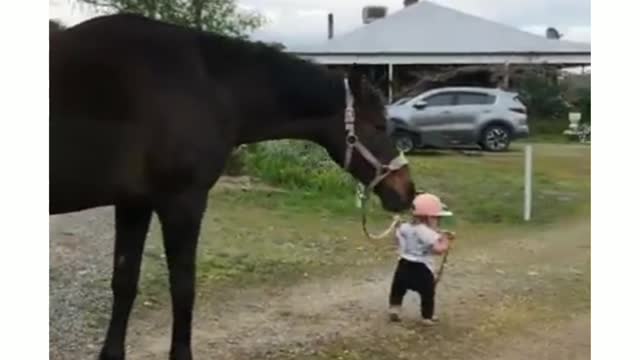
180	217
132	224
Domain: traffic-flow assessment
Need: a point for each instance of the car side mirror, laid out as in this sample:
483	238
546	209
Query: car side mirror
421	104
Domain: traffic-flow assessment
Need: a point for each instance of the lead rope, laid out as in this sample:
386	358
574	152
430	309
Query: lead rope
364	196
444	260
382	171
394	223
441	269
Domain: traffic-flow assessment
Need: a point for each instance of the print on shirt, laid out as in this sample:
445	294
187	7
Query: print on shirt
415	243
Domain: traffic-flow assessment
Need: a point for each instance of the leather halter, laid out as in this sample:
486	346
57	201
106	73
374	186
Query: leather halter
353	143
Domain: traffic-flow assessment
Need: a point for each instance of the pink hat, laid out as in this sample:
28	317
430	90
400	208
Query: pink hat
429	205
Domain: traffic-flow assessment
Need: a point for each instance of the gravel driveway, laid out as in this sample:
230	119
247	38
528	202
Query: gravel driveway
80	250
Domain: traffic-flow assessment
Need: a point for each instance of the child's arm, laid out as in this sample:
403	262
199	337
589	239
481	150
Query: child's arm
397	236
444	242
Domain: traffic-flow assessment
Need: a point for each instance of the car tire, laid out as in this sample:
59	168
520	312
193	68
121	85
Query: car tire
496	138
404	142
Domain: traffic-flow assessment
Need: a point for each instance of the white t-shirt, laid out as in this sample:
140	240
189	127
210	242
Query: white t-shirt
415	243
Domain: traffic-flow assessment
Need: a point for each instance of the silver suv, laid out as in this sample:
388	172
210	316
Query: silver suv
458	117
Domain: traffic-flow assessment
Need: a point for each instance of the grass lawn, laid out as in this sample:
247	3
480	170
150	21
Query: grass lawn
264	236
275	263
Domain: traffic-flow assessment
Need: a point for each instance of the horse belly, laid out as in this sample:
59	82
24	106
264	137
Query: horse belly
92	163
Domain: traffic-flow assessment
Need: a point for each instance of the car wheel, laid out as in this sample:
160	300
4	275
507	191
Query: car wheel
404	143
496	138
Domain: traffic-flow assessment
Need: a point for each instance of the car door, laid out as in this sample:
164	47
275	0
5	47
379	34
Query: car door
431	119
469	107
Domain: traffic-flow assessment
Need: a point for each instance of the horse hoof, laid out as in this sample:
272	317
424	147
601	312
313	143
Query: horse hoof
181	354
111	355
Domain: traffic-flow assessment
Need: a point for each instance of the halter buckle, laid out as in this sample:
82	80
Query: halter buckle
349	115
353	143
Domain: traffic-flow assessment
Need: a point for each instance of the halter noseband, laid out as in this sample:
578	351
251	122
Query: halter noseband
353	142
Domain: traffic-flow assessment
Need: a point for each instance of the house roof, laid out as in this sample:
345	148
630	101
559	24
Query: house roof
428	28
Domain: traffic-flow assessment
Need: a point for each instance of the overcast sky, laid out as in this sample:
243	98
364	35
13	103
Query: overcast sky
298	22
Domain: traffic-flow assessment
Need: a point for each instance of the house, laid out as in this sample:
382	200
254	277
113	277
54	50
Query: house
427	35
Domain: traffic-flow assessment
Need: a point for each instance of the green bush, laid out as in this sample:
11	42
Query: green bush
235	163
548	128
297	165
543	97
583	104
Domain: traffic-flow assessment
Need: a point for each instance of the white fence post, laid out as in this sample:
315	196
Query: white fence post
390	84
359	192
528	160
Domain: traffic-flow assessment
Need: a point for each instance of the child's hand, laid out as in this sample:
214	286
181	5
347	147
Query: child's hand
449	234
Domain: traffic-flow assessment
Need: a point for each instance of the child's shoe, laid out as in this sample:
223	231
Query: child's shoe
430	322
394	314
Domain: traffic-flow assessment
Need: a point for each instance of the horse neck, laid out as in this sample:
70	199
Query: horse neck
278	96
308	104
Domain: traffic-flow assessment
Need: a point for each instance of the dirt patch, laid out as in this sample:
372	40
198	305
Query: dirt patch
80	251
497	300
80	258
244	183
566	340
302	319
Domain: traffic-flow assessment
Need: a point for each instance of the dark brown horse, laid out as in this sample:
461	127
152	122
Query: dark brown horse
143	116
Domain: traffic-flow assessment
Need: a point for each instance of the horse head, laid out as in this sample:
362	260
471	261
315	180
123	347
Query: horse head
369	154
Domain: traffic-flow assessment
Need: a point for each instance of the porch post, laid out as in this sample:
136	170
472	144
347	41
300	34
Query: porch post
390	83
505	84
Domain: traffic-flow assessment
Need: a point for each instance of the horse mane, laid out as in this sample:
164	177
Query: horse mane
300	86
309	88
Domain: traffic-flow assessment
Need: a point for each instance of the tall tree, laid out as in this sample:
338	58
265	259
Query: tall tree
56	25
221	16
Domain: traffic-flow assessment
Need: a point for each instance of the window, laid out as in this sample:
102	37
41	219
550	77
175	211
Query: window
442	99
472	98
402	101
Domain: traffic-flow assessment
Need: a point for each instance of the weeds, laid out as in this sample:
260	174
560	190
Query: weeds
298	165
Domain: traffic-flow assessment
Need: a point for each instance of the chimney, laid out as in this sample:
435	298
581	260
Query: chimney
553	34
373	13
330	23
409	2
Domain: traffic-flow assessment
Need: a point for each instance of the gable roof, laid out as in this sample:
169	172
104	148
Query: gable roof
428	28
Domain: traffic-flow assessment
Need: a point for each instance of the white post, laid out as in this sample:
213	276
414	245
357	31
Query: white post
505	80
359	192
527	181
390	88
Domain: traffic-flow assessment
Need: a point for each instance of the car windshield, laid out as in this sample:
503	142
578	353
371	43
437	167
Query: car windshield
401	101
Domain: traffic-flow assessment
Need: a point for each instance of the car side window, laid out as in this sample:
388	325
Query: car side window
473	98
442	99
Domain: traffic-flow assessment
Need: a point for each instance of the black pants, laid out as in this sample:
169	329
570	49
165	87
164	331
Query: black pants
414	276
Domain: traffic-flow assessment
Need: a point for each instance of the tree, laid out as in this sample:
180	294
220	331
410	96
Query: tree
56	25
583	104
220	16
278	45
544	97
